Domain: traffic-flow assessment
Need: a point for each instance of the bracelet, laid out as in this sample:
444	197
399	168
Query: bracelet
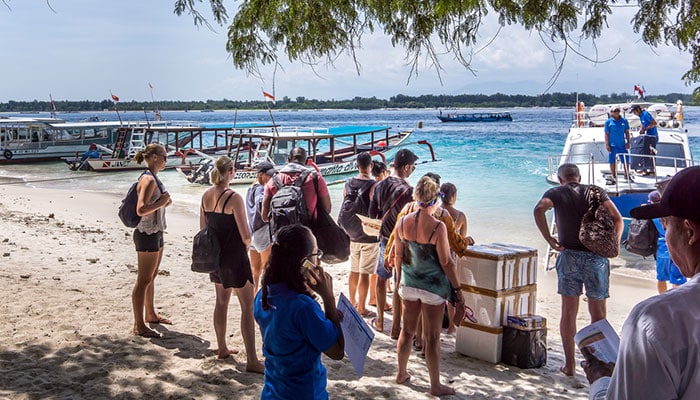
456	289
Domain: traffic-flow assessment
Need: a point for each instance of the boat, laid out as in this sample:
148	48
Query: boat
332	151
475	117
585	147
185	144
26	140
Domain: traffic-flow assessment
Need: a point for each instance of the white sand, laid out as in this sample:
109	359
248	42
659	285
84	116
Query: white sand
67	269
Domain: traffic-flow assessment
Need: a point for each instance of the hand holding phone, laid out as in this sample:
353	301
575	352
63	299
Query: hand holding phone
309	270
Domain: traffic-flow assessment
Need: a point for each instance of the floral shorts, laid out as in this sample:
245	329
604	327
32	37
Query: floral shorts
576	269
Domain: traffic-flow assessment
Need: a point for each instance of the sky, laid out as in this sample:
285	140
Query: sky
83	49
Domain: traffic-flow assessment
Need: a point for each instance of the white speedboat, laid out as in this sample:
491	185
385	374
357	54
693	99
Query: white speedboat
585	147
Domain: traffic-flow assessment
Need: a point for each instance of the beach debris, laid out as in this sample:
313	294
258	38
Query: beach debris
56	278
25	276
5	240
92	260
131	268
51	216
5	254
164	272
60	259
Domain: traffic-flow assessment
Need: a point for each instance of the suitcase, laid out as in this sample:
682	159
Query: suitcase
641	145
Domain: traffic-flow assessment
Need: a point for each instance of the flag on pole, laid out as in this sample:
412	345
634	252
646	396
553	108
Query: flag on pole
53	107
114	96
269	97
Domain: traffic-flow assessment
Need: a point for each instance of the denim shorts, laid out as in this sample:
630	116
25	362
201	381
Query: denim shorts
148	243
382	272
576	269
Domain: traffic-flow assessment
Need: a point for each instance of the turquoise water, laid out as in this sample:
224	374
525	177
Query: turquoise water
499	168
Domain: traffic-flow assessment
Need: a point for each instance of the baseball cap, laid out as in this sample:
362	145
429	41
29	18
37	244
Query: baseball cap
615	109
680	199
404	157
266	167
635	107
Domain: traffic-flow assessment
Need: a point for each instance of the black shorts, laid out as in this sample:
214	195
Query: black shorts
148	243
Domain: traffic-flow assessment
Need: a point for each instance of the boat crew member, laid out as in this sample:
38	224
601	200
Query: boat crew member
617	142
648	128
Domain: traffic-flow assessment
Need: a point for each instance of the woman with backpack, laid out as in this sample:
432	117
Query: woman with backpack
223	211
148	238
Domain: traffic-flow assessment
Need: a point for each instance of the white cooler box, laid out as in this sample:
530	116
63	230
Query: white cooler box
498	266
493	307
481	342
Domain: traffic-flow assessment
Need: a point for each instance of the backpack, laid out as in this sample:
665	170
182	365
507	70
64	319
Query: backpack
356	201
287	205
127	210
641	237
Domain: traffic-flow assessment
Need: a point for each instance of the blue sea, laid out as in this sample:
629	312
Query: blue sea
499	168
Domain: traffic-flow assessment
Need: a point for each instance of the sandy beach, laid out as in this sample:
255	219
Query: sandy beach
67	270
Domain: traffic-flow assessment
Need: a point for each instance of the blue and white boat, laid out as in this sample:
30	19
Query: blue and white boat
585	147
475	117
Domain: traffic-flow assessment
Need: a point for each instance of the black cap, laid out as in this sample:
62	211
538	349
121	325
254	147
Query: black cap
404	157
681	198
266	167
636	107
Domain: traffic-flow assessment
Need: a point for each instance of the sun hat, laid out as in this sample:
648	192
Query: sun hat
680	199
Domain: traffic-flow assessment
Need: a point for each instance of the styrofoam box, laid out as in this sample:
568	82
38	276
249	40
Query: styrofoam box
477	342
487	267
492	308
527	267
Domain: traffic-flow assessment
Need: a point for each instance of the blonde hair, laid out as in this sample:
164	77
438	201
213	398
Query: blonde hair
151	149
222	166
426	190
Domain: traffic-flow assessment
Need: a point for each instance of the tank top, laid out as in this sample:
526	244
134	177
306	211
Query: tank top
234	255
420	267
155	221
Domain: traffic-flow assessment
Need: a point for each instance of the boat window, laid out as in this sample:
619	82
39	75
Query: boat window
673	150
580	153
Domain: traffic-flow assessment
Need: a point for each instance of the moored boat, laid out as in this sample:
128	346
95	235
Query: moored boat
475	117
331	151
585	147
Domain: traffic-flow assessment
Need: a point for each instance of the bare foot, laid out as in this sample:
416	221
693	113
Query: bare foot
402	378
226	353
566	371
442	390
147	333
256	367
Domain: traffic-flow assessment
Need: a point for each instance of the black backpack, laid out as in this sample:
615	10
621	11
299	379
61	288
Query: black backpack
127	210
206	249
356	201
641	237
288	205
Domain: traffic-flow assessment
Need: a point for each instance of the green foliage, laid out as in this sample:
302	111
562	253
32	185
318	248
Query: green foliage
313	31
497	100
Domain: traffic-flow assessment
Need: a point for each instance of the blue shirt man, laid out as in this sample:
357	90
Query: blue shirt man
649	129
617	142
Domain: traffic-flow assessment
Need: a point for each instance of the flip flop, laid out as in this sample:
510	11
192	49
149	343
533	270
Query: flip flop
368	314
161	320
373	324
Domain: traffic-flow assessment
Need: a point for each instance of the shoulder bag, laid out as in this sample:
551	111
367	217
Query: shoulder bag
597	231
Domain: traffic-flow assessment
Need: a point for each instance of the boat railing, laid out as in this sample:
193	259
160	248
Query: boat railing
588	168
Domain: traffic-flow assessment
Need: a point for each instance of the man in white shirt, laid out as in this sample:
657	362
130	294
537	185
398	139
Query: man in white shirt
659	354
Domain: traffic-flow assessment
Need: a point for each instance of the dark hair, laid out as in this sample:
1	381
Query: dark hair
448	192
433	176
378	168
364	160
568	171
297	155
293	244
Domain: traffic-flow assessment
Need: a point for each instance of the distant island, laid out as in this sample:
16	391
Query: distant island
497	100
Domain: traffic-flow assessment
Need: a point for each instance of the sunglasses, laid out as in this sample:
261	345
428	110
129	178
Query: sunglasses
318	254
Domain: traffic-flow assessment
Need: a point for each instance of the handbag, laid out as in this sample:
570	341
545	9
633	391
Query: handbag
330	238
206	249
597	231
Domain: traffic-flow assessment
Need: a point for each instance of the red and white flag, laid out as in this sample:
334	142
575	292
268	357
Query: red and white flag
269	97
114	96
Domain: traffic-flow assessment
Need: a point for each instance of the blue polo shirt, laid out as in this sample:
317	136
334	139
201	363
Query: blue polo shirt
645	118
295	332
616	129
